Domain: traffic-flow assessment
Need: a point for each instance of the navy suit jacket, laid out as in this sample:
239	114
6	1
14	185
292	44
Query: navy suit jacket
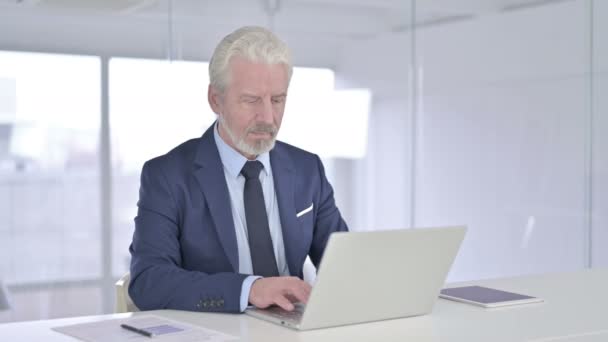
184	249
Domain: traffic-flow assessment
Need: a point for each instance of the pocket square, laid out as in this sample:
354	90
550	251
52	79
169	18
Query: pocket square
305	210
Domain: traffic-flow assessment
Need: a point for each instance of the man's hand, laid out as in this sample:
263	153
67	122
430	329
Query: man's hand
281	291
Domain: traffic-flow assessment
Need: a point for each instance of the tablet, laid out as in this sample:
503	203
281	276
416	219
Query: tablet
486	297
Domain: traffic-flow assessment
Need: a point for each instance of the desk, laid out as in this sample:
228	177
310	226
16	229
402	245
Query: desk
575	309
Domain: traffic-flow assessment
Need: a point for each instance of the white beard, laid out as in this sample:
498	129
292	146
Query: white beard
260	146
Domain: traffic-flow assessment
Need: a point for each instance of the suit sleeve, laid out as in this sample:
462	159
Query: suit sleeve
328	218
158	280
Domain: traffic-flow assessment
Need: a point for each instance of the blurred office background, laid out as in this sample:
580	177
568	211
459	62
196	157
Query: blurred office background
489	113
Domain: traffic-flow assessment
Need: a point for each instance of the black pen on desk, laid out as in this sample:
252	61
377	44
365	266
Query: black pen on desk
137	330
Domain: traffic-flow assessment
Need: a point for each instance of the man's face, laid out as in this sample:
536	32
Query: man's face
251	108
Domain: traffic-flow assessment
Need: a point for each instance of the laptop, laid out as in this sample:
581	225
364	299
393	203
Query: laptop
372	276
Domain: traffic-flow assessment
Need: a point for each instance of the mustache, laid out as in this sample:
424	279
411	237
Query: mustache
262	128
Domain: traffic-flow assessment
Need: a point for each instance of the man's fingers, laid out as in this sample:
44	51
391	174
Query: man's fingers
307	288
297	290
299	294
281	291
284	303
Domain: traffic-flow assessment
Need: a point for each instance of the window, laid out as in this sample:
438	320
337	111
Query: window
49	192
155	105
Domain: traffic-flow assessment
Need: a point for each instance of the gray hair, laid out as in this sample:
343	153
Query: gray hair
255	44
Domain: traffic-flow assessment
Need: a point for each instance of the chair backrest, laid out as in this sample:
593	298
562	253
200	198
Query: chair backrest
123	300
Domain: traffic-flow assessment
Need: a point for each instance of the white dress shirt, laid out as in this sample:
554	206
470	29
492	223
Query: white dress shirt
233	162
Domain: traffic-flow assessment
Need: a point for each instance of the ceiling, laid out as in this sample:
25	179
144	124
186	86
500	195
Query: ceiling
128	27
391	13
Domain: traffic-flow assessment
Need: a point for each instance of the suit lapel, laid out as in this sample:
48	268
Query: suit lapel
212	181
284	174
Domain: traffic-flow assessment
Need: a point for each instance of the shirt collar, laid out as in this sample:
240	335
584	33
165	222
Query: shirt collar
232	160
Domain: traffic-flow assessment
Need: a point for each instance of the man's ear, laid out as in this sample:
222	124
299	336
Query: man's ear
214	98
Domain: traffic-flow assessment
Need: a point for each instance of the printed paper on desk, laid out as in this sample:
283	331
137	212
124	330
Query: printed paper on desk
111	331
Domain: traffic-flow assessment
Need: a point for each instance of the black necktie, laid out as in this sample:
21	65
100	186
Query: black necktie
258	231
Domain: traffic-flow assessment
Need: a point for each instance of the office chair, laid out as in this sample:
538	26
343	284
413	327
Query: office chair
123	300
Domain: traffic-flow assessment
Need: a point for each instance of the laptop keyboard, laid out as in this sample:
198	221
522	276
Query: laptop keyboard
278	312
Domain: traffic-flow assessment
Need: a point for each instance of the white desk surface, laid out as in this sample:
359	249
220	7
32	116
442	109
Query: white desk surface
575	309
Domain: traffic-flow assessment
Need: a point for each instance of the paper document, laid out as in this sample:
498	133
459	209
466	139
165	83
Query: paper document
164	330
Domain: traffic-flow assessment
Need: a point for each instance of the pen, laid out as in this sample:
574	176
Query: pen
137	330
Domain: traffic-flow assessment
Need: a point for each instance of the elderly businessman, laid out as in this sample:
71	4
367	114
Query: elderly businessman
227	219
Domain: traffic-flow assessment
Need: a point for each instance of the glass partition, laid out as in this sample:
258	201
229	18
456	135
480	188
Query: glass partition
504	136
599	145
426	113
